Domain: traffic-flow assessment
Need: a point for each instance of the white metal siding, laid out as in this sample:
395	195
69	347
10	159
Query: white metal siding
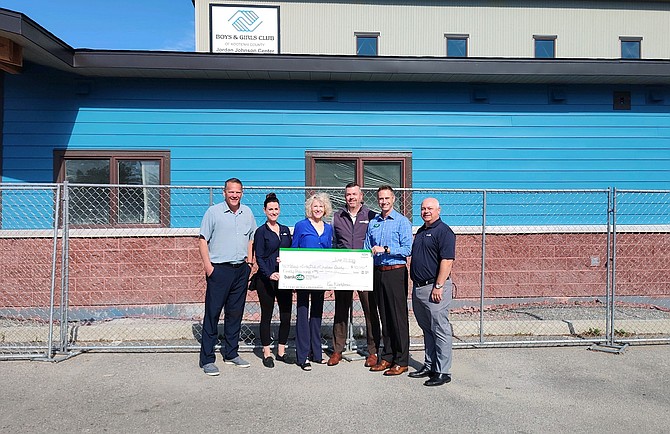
584	29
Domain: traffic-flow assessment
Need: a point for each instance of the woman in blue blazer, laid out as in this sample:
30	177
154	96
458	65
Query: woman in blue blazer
312	233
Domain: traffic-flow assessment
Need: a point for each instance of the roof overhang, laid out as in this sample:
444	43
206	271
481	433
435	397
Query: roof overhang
41	47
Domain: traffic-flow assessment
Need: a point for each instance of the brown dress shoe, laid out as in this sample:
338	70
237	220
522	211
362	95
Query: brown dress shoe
371	360
396	370
334	359
381	366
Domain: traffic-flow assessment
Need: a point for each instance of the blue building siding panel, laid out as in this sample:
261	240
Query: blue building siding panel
27	209
261	130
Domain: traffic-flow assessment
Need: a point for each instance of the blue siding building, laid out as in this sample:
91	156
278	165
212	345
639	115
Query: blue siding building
452	123
515	139
119	126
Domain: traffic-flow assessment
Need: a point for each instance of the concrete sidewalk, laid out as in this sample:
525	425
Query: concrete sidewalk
562	390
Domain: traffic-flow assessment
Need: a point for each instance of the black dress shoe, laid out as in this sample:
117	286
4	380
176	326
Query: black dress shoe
421	373
438	380
268	362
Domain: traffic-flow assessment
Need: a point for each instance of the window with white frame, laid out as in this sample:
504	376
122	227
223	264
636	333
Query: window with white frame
631	47
367	44
457	45
545	46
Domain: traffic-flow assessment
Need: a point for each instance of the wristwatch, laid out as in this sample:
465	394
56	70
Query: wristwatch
387	250
438	286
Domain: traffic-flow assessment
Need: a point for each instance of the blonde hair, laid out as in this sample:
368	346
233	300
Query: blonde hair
318	197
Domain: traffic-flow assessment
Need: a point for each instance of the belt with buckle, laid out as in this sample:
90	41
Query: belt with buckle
390	267
230	264
424	282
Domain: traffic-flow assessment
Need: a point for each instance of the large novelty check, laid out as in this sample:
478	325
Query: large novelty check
326	269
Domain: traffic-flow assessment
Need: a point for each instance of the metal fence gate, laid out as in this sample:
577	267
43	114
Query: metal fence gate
641	265
30	272
118	266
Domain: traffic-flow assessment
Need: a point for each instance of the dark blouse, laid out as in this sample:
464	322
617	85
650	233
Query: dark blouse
266	247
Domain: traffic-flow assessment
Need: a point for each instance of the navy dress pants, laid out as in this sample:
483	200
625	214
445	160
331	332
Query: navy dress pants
308	326
227	291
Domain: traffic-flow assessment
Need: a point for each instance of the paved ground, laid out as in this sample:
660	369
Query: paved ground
494	390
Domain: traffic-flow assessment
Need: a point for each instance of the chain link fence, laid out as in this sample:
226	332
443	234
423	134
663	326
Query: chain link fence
532	267
545	265
641	301
30	271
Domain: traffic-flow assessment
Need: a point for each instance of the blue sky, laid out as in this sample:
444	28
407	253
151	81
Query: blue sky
115	25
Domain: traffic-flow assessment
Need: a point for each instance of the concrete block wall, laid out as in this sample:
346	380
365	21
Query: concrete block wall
129	271
168	270
532	265
643	264
25	272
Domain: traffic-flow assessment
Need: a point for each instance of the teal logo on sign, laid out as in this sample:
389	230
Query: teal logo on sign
245	20
299	277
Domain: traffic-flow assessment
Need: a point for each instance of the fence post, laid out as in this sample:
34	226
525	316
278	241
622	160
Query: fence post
610	346
610	331
65	266
52	293
351	352
483	279
608	289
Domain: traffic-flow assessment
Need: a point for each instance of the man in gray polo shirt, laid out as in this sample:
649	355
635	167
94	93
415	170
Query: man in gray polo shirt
225	244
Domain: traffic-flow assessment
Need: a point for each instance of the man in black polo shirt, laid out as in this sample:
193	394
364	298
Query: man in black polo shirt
433	253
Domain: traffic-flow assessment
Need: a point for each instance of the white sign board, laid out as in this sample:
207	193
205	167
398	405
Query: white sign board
326	269
244	29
